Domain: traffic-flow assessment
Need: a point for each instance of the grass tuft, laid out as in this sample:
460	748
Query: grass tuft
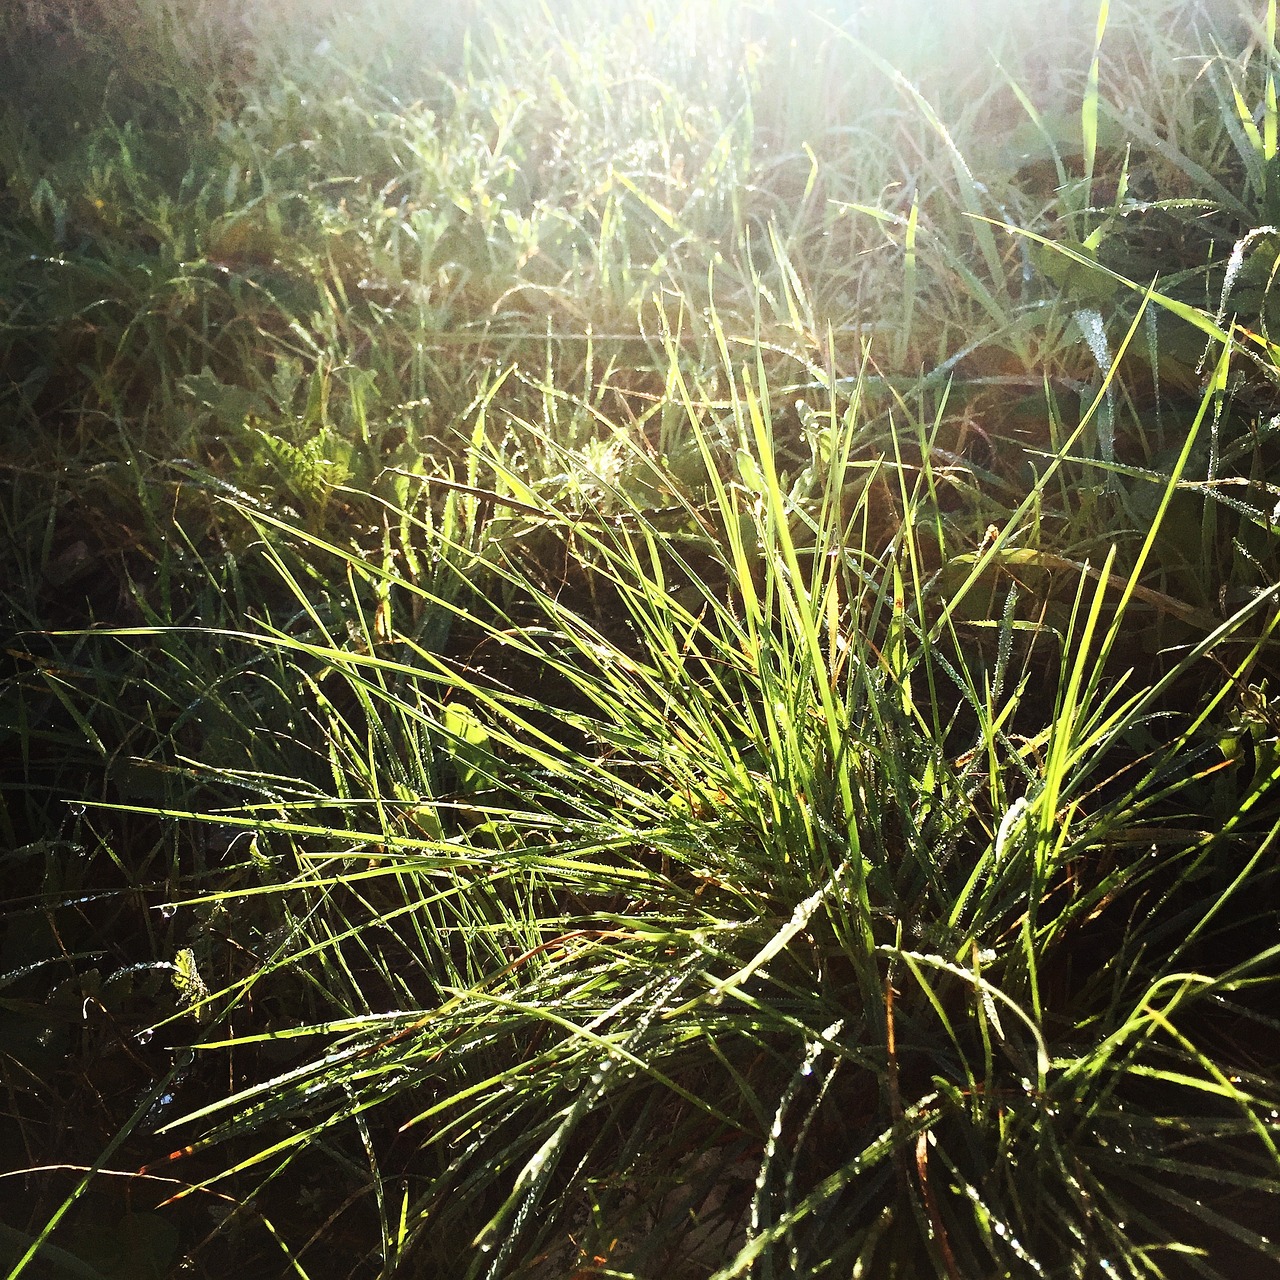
639	642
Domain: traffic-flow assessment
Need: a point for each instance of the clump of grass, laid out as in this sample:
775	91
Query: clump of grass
668	672
731	912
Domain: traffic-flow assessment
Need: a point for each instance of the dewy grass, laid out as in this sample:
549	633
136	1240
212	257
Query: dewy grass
641	642
793	895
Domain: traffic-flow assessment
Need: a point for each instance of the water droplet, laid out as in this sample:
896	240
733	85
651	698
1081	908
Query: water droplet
807	1069
145	1036
77	809
1094	330
167	910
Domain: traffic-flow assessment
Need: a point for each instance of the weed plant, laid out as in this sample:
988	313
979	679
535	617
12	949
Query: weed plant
639	640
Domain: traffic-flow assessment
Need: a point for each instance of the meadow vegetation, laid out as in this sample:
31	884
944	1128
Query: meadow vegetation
637	639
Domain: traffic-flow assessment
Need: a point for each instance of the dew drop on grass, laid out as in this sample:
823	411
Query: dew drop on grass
167	910
145	1036
1094	330
77	809
807	1069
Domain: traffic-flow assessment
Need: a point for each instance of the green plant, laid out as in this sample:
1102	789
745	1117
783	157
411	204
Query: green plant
781	867
664	639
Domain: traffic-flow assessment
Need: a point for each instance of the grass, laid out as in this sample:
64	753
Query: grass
639	641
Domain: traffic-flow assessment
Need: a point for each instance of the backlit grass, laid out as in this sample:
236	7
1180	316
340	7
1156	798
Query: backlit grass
638	640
